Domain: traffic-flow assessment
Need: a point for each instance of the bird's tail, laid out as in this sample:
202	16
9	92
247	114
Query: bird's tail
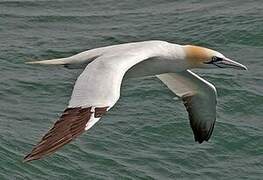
76	60
60	61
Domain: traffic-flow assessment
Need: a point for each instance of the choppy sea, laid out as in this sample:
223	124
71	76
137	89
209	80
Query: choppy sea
147	134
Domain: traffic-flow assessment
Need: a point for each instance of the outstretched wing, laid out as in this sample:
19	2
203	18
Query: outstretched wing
199	98
96	90
70	125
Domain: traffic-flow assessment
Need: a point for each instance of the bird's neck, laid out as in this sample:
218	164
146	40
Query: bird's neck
169	59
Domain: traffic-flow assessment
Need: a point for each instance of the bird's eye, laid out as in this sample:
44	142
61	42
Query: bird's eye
214	59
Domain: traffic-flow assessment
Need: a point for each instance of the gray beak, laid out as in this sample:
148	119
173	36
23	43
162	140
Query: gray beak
228	63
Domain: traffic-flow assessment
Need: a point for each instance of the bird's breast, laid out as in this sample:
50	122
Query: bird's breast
155	66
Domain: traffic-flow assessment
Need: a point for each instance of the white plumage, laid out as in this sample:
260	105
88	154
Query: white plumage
97	89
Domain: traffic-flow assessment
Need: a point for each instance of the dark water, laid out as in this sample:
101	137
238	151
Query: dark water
146	135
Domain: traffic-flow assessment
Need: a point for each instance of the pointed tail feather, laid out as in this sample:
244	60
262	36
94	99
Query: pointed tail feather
60	61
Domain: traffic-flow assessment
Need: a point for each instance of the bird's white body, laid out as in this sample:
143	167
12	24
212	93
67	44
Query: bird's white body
161	54
134	59
146	58
97	89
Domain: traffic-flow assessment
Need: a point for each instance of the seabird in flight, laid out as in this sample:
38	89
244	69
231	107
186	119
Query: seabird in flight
97	88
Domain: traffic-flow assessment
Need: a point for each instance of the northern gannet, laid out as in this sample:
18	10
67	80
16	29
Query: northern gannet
97	88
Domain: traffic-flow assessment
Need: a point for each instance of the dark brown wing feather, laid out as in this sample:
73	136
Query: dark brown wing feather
69	126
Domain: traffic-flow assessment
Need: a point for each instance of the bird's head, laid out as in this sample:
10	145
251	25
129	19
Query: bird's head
200	57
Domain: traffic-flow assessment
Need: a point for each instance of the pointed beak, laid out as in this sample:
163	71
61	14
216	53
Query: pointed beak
228	63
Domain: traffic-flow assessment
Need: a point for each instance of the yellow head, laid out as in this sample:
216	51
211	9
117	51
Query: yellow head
200	57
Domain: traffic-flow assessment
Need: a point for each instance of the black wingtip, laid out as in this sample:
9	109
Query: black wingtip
201	136
28	158
200	141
